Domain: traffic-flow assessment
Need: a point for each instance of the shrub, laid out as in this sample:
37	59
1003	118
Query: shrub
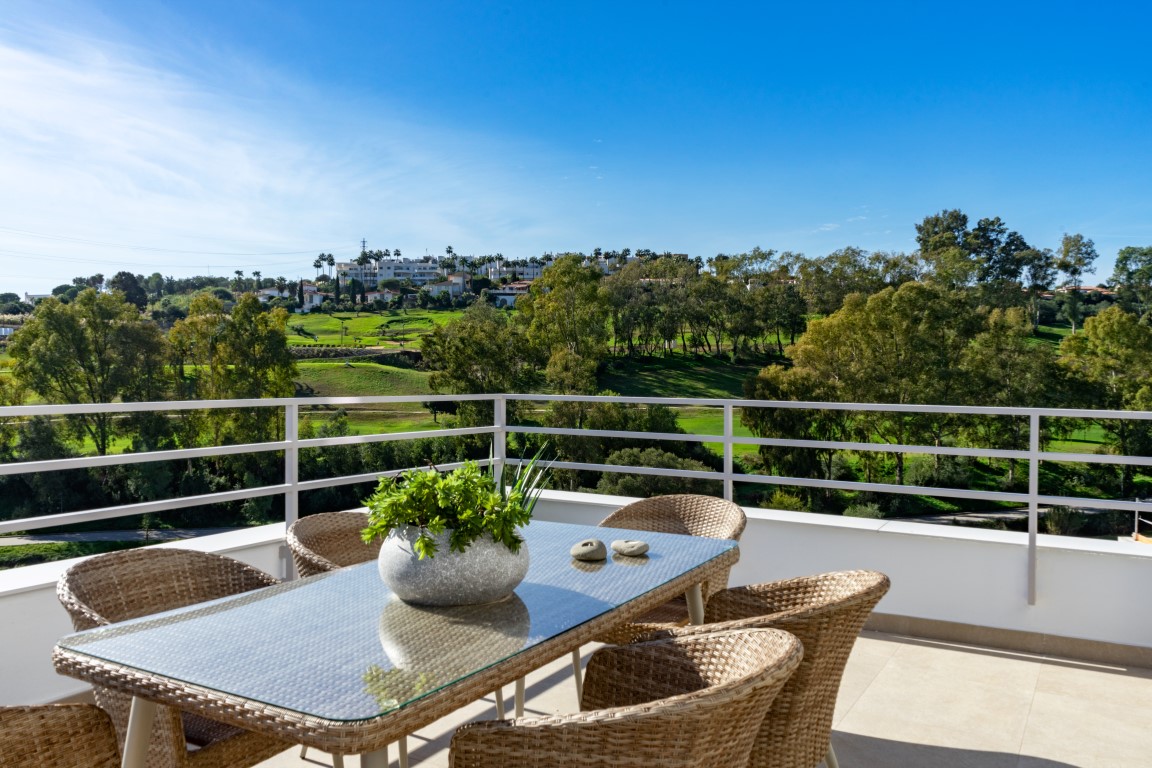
869	510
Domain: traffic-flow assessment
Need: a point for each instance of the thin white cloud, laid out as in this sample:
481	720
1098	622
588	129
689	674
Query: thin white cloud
828	227
99	144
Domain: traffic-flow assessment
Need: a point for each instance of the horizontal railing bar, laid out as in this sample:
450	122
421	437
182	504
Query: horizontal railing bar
971	410
625	469
116	459
126	510
322	442
626	434
73	409
368	477
992	453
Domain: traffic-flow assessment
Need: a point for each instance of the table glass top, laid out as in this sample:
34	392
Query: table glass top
341	646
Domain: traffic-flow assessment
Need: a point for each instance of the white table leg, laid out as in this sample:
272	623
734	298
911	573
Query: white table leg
499	693
377	759
520	697
695	604
403	745
140	718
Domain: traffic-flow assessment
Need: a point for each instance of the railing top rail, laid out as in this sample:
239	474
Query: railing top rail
275	402
198	405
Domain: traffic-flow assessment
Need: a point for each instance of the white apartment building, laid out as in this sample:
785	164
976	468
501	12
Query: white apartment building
419	271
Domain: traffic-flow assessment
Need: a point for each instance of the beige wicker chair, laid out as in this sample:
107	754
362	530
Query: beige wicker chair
328	541
682	702
827	612
687	514
126	585
59	736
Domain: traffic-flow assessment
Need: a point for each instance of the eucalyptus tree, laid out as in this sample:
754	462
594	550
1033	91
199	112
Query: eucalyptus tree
1076	256
1112	356
95	349
1132	278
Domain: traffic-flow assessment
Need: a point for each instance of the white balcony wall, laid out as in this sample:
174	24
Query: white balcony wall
1090	590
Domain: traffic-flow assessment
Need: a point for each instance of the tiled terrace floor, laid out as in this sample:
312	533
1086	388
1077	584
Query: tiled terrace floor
910	703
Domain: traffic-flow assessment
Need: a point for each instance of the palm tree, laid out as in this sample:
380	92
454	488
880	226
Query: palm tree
318	264
256	280
281	286
331	261
238	284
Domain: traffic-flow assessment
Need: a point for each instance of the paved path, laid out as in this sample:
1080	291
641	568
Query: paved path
155	535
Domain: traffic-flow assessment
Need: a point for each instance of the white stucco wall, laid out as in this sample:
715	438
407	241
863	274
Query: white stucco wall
1086	589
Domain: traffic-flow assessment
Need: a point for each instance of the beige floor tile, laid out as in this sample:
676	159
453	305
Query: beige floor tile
1127	687
1095	732
940	705
871	752
863	668
939	664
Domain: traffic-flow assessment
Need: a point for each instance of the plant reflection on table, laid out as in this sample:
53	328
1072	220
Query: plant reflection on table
432	646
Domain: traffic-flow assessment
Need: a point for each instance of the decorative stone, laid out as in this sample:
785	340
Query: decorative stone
590	550
630	547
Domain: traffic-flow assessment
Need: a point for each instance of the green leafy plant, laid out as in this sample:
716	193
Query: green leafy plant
466	502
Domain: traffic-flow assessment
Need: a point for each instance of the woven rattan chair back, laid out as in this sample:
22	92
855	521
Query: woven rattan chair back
692	701
686	514
328	541
138	582
60	736
826	612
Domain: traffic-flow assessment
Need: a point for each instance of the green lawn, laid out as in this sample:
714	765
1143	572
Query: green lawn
353	379
30	554
678	376
710	421
389	328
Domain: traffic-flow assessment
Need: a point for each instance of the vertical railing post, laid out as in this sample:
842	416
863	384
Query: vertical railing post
728	463
291	478
499	438
1033	501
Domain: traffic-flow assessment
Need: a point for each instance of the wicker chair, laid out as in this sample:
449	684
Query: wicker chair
328	541
827	612
687	514
60	736
138	582
682	702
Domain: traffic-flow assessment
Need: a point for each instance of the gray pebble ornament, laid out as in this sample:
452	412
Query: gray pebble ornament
630	547
589	550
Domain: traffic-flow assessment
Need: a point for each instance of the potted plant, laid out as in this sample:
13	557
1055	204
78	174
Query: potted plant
453	538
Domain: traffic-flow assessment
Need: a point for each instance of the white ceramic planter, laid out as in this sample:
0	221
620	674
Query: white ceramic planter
485	572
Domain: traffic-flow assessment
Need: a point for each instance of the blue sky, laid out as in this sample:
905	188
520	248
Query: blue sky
213	135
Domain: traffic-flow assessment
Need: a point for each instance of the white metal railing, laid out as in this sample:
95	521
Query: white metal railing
291	445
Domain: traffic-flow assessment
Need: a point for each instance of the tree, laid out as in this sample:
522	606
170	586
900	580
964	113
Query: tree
96	349
564	309
238	355
127	284
945	246
1112	356
1075	257
1003	367
482	352
1132	278
898	346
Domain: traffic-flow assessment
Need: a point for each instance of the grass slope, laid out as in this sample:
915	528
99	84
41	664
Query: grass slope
389	328
678	376
338	379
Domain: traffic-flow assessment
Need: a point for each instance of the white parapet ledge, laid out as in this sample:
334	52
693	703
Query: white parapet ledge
31	577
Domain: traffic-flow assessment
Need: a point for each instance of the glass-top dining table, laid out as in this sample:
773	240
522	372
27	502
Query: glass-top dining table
337	662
